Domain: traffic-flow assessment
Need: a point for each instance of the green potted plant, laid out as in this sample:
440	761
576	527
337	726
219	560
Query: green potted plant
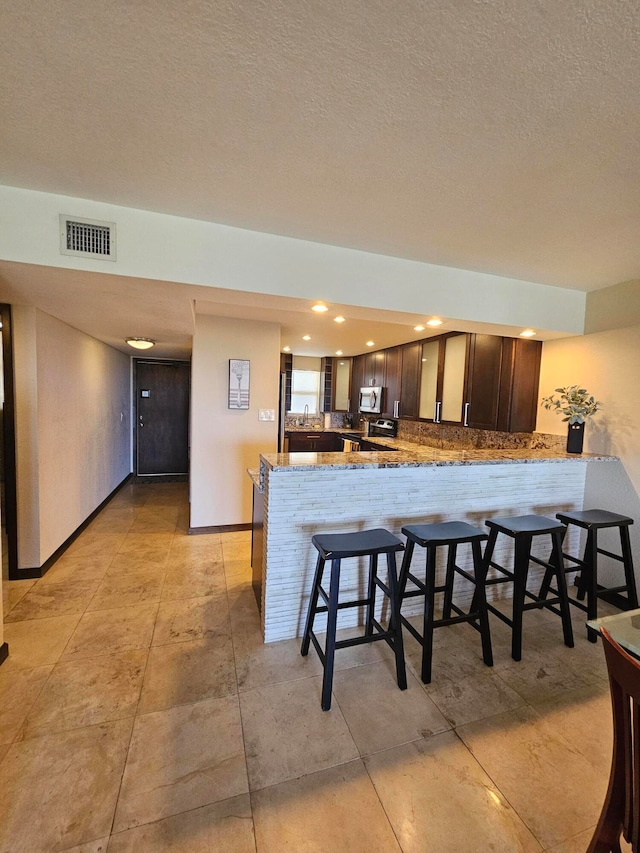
576	404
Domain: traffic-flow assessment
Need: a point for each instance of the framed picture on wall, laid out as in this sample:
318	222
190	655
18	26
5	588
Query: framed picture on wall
238	383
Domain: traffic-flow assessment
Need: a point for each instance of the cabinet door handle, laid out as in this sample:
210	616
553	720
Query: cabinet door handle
436	414
396	408
466	414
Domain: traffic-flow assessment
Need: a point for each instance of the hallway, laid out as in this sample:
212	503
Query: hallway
140	711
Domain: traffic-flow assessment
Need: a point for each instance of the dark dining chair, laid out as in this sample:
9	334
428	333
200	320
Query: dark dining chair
621	811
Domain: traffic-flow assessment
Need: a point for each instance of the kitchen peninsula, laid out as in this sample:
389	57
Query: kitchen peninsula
308	493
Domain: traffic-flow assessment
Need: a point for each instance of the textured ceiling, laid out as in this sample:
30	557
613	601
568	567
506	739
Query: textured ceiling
498	136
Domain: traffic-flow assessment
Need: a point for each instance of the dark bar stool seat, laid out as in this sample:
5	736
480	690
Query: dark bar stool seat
336	547
593	520
431	537
522	529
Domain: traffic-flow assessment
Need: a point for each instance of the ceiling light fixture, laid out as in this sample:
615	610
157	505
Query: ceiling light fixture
338	352
320	308
371	343
286	349
140	343
306	337
528	333
434	322
338	319
418	328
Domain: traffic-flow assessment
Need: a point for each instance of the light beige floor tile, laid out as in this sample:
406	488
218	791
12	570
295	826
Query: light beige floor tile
124	564
439	800
13	592
4	748
180	759
287	734
148	545
538	677
192	619
583	718
473	698
96	544
193	581
182	673
54	599
77	568
60	790
452	658
119	590
226	827
87	692
152	523
551	785
335	809
19	689
259	663
117	520
378	713
185	546
579	843
38	642
98	846
107	632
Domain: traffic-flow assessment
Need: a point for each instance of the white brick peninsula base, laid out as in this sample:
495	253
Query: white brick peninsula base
308	493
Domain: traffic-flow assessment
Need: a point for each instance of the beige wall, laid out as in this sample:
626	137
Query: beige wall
73	429
608	365
225	442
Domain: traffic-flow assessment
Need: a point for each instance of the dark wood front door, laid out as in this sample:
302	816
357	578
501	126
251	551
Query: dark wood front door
162	417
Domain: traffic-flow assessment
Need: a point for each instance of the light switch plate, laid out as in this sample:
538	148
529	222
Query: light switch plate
266	414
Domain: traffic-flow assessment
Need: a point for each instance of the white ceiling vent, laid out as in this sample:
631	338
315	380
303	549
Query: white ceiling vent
87	238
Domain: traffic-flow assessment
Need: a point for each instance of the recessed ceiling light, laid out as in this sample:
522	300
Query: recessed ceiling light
418	328
434	322
338	352
306	337
338	319
286	349
320	308
528	333
140	343
371	343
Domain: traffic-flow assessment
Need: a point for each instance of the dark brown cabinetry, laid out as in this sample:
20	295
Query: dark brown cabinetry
374	365
314	442
482	392
357	381
409	380
392	382
518	401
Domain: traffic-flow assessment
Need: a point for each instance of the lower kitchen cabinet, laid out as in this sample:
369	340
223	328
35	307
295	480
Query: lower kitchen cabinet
314	442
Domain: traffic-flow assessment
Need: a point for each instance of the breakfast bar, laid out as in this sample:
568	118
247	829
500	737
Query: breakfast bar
309	493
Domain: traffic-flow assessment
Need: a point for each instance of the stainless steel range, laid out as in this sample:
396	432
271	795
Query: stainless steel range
383	427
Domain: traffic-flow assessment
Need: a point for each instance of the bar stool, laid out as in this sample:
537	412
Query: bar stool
431	537
522	530
593	520
336	547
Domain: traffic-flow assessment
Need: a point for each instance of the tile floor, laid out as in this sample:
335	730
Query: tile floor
140	711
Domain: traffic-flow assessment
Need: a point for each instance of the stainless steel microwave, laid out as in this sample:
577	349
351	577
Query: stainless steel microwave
371	399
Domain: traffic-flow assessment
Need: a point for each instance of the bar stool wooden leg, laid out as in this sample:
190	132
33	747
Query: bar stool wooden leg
480	572
448	583
629	575
557	562
520	572
371	595
404	568
330	645
313	603
429	606
394	618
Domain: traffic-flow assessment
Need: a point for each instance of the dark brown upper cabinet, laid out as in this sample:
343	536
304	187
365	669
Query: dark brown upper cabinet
392	382
409	380
484	372
518	403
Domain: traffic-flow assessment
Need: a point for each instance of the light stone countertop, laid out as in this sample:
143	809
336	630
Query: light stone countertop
413	455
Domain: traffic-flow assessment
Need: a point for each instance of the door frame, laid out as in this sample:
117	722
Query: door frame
134	418
10	508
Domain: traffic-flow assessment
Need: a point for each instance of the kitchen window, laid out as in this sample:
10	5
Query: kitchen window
305	391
